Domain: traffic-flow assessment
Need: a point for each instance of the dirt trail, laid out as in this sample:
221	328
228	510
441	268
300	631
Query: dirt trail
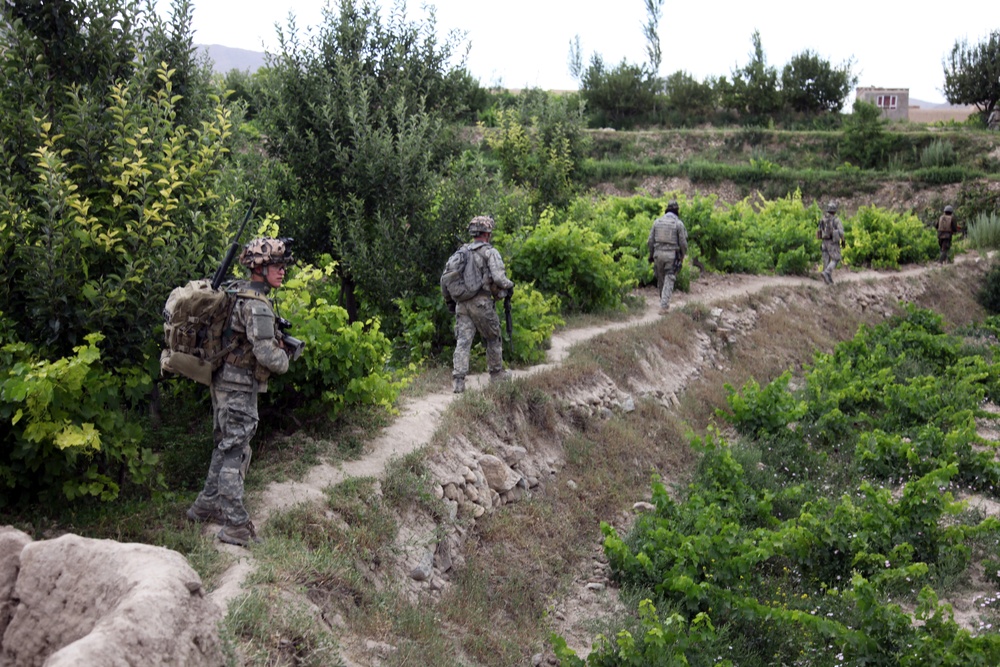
419	418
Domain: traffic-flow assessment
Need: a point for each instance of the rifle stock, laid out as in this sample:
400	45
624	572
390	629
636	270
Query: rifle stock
220	273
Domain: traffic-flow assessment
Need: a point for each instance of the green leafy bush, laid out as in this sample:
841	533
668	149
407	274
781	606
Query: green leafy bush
344	363
71	433
884	239
572	262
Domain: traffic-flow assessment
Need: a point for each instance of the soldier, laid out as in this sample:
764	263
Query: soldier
259	352
831	232
667	244
478	313
947	226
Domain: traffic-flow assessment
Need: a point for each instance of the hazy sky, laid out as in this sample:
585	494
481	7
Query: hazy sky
519	43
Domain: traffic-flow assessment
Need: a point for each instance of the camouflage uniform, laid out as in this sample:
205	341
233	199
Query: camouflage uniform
946	228
235	386
831	233
667	242
479	313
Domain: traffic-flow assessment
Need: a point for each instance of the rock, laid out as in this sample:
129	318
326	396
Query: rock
628	404
498	474
471	493
438	491
93	602
12	542
571	484
594	586
536	659
643	506
442	556
422	571
452	492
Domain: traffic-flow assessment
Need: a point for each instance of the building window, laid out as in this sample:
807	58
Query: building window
886	102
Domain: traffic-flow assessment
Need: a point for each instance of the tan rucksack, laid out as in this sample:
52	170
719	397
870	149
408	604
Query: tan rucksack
195	319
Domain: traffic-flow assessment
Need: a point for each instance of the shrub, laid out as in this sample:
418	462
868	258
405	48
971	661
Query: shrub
572	262
989	295
883	239
344	363
71	433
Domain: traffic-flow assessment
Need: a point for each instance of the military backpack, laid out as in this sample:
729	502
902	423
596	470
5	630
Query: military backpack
195	329
461	279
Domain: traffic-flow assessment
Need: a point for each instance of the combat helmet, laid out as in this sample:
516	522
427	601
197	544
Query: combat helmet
948	209
481	224
831	207
261	252
672	206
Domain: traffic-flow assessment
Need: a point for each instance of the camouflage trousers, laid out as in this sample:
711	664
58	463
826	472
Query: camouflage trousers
234	422
663	269
477	314
830	261
944	245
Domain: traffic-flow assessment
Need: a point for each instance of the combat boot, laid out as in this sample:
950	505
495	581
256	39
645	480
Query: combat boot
201	514
459	385
241	535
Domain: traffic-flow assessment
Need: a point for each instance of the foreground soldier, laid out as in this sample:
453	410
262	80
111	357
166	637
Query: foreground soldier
235	386
831	233
479	313
667	244
946	228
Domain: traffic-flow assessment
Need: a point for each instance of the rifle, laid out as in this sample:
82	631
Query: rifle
227	262
510	320
294	345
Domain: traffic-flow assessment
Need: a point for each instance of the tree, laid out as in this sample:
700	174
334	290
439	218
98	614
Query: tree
358	115
106	201
651	30
754	91
692	101
620	97
864	142
812	85
972	74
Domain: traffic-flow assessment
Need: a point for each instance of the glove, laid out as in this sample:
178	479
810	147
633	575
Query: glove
510	291
451	307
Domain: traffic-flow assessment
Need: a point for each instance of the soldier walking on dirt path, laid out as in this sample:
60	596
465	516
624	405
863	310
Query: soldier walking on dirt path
479	313
947	227
667	245
259	353
831	235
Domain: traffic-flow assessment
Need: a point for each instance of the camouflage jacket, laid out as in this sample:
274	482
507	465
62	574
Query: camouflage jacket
258	354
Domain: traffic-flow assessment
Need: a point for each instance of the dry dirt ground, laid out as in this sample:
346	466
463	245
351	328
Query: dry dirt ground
419	417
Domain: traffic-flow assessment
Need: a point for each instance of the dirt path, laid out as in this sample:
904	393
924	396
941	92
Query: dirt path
419	418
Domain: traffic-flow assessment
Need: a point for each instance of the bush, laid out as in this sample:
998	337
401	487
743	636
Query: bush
71	433
989	295
571	261
883	239
344	363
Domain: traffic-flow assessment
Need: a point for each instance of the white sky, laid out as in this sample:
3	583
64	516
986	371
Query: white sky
520	43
